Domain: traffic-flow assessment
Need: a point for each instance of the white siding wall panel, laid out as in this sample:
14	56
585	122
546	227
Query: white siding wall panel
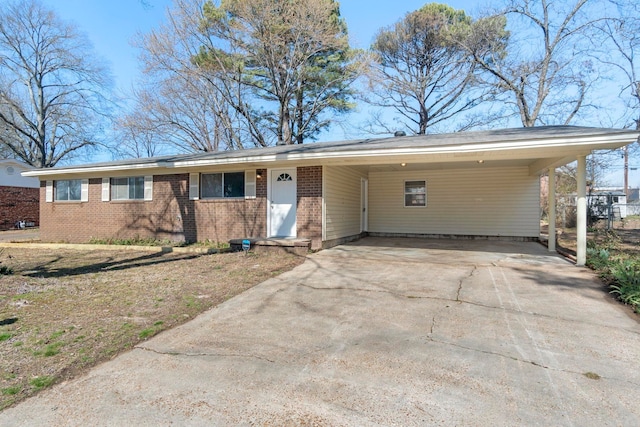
484	202
10	175
342	201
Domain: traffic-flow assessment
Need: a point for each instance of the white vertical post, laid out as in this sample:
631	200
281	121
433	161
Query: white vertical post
552	209
581	226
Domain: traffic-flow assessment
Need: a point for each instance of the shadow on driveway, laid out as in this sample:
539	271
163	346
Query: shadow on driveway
379	332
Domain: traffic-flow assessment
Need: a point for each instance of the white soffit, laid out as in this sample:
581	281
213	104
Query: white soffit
533	144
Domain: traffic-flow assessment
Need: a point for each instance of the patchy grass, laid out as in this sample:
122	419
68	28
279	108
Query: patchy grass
10	391
139	241
64	311
41	382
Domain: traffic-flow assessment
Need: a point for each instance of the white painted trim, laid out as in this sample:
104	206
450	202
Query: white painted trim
364	204
324	205
48	197
90	169
551	188
457	151
106	189
250	184
581	212
148	187
84	190
404	194
194	186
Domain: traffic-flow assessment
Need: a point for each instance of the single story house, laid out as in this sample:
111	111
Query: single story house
19	195
482	184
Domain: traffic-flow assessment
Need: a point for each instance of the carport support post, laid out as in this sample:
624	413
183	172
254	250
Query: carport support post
552	210
581	226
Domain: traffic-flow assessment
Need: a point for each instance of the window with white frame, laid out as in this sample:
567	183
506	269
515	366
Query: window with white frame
68	190
128	188
415	194
222	185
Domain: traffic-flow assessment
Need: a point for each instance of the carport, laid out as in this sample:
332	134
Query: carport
470	185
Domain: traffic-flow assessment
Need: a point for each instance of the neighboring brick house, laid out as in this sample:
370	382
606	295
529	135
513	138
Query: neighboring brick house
19	195
483	184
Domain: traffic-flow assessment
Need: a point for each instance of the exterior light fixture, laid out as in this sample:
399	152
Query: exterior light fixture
481	161
259	175
403	164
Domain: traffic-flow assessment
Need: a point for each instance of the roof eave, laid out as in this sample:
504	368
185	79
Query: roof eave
581	144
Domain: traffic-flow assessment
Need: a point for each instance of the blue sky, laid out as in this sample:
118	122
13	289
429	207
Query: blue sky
112	24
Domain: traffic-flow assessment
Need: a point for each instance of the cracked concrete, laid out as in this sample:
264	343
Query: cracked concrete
380	332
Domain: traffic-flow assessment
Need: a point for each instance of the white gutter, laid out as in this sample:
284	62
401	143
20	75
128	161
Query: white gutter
405	151
566	142
83	169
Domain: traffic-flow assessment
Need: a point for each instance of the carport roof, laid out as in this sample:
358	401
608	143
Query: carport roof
539	147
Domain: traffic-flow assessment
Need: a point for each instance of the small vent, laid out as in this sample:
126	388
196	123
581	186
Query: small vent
10	170
400	133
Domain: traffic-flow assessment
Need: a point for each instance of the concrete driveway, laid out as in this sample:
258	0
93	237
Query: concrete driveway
380	332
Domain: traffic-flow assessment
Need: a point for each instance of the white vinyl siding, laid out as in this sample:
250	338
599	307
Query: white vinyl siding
342	201
481	202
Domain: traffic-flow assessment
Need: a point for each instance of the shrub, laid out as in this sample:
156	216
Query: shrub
597	258
622	274
4	270
626	275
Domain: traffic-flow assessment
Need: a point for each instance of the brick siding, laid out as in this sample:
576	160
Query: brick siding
309	210
171	215
18	204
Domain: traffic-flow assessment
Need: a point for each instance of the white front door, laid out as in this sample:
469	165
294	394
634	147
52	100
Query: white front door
282	209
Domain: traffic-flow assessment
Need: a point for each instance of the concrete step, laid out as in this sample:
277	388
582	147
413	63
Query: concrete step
298	246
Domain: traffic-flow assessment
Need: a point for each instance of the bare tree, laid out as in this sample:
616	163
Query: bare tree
618	48
181	104
134	139
544	71
52	89
421	71
620	51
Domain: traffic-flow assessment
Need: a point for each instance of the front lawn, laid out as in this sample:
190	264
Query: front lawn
63	311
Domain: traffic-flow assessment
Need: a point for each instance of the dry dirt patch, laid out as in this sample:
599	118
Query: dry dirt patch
625	236
62	311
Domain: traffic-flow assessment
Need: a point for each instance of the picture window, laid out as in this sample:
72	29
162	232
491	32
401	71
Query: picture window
222	185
